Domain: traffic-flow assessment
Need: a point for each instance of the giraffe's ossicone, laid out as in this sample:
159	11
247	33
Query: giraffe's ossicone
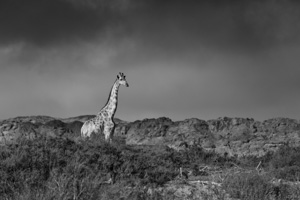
103	122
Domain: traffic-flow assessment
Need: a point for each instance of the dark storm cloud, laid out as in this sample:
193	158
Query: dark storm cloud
169	23
269	22
44	22
193	29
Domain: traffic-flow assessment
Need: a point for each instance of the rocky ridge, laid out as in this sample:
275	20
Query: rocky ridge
227	136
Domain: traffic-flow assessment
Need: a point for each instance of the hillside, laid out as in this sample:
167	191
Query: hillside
227	136
43	157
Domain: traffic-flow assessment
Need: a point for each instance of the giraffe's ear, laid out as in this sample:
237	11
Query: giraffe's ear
118	76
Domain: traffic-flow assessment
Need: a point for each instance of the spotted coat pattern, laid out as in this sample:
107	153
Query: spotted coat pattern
103	121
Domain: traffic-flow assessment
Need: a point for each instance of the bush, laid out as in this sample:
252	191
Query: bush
290	173
286	156
61	167
250	186
253	161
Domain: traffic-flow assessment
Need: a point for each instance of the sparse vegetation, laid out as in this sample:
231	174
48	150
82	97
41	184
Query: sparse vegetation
60	168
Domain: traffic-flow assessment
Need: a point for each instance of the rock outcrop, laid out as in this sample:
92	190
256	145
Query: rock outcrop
227	136
242	137
16	129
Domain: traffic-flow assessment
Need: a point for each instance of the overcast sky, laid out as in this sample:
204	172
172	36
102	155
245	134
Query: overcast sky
182	59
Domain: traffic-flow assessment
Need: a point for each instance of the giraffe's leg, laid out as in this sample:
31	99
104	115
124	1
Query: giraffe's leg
108	130
111	132
99	128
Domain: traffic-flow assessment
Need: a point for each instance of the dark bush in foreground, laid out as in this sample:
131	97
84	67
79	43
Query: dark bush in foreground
285	163
59	168
252	186
291	173
286	156
62	169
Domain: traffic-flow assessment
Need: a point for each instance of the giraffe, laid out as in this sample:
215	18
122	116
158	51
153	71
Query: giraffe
103	121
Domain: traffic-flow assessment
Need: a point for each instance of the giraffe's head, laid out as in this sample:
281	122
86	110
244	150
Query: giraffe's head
122	79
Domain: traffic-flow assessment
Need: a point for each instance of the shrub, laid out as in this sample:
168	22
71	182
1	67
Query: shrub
60	168
35	166
290	173
250	186
253	161
285	156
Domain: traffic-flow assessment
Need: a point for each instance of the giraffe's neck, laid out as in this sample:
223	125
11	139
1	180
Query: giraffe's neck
112	103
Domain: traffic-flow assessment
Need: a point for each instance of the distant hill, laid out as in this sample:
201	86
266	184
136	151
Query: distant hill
226	136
